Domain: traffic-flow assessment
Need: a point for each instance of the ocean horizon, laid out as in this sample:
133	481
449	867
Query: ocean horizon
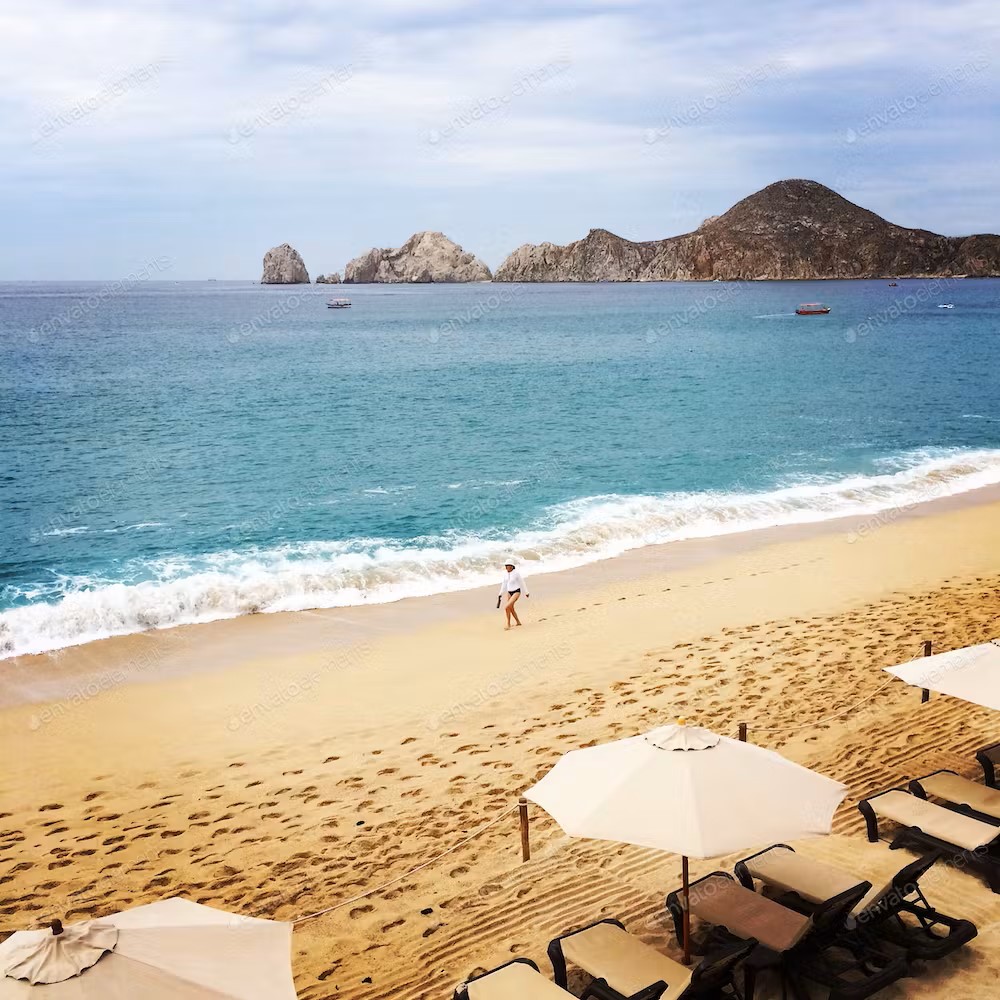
180	452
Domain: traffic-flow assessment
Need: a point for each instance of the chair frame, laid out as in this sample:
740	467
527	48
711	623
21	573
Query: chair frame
988	764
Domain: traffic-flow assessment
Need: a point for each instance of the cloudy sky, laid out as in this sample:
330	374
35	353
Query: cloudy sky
208	132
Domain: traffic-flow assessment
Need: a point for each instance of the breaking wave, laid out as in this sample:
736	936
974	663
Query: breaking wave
322	574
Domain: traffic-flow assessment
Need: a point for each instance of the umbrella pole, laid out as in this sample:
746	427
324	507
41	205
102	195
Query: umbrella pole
522	808
925	695
687	910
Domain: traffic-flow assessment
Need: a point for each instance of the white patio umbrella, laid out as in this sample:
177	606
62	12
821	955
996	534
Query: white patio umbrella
971	673
689	791
169	950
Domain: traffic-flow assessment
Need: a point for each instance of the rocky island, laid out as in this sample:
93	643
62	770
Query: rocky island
790	229
283	265
424	257
328	279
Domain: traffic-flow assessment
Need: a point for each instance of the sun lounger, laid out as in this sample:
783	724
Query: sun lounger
630	968
925	826
517	980
796	945
989	758
896	911
781	868
960	794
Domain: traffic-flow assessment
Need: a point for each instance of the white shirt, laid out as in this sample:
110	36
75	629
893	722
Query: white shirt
513	581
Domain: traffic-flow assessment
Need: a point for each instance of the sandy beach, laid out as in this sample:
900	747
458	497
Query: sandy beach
279	765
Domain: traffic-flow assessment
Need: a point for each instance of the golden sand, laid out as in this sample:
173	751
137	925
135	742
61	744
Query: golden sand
279	765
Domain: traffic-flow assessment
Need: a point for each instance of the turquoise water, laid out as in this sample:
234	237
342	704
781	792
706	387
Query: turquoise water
176	452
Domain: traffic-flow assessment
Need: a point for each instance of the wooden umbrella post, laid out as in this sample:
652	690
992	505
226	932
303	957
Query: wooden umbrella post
743	732
925	695
687	910
522	808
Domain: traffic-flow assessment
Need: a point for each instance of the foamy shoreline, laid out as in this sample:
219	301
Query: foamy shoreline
222	644
363	572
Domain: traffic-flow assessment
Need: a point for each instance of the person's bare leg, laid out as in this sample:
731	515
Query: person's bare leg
512	611
506	611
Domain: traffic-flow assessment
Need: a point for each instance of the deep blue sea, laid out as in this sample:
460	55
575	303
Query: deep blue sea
179	452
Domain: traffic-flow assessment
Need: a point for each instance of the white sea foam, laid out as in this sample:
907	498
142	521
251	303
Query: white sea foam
186	589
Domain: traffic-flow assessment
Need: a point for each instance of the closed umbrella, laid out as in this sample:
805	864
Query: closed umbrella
169	950
971	673
689	791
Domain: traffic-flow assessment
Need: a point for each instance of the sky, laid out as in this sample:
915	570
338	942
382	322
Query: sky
204	133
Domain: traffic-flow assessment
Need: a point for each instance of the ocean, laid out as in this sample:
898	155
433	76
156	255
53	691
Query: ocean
176	452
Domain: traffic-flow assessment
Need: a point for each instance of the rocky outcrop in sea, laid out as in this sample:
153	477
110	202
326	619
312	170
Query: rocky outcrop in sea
328	279
283	265
424	257
790	229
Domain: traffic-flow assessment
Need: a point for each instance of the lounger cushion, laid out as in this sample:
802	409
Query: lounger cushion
515	982
944	824
815	881
608	952
963	792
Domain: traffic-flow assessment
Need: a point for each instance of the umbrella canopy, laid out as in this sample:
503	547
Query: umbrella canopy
169	950
688	791
972	673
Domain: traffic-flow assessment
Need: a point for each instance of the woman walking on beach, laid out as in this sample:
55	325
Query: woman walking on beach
511	588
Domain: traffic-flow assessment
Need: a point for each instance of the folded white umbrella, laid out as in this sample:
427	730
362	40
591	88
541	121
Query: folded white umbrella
688	791
971	673
169	950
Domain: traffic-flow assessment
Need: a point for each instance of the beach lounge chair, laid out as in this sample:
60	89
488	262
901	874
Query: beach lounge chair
797	946
989	758
517	980
960	794
897	911
630	968
967	842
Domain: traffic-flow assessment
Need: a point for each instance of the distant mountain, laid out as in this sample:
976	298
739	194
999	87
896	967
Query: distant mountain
424	257
790	229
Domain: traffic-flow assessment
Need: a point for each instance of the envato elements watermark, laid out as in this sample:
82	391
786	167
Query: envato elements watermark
95	686
113	289
111	493
290	105
488	106
483	307
696	310
281	309
708	105
59	120
282	695
911	300
303	497
904	106
495	687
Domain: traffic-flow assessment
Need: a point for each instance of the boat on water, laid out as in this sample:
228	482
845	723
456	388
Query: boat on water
339	304
945	305
893	284
812	309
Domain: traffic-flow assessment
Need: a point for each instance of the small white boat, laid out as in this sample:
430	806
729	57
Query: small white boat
339	304
945	305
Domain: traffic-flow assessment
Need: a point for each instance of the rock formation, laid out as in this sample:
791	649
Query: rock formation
328	279
424	257
791	229
283	266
